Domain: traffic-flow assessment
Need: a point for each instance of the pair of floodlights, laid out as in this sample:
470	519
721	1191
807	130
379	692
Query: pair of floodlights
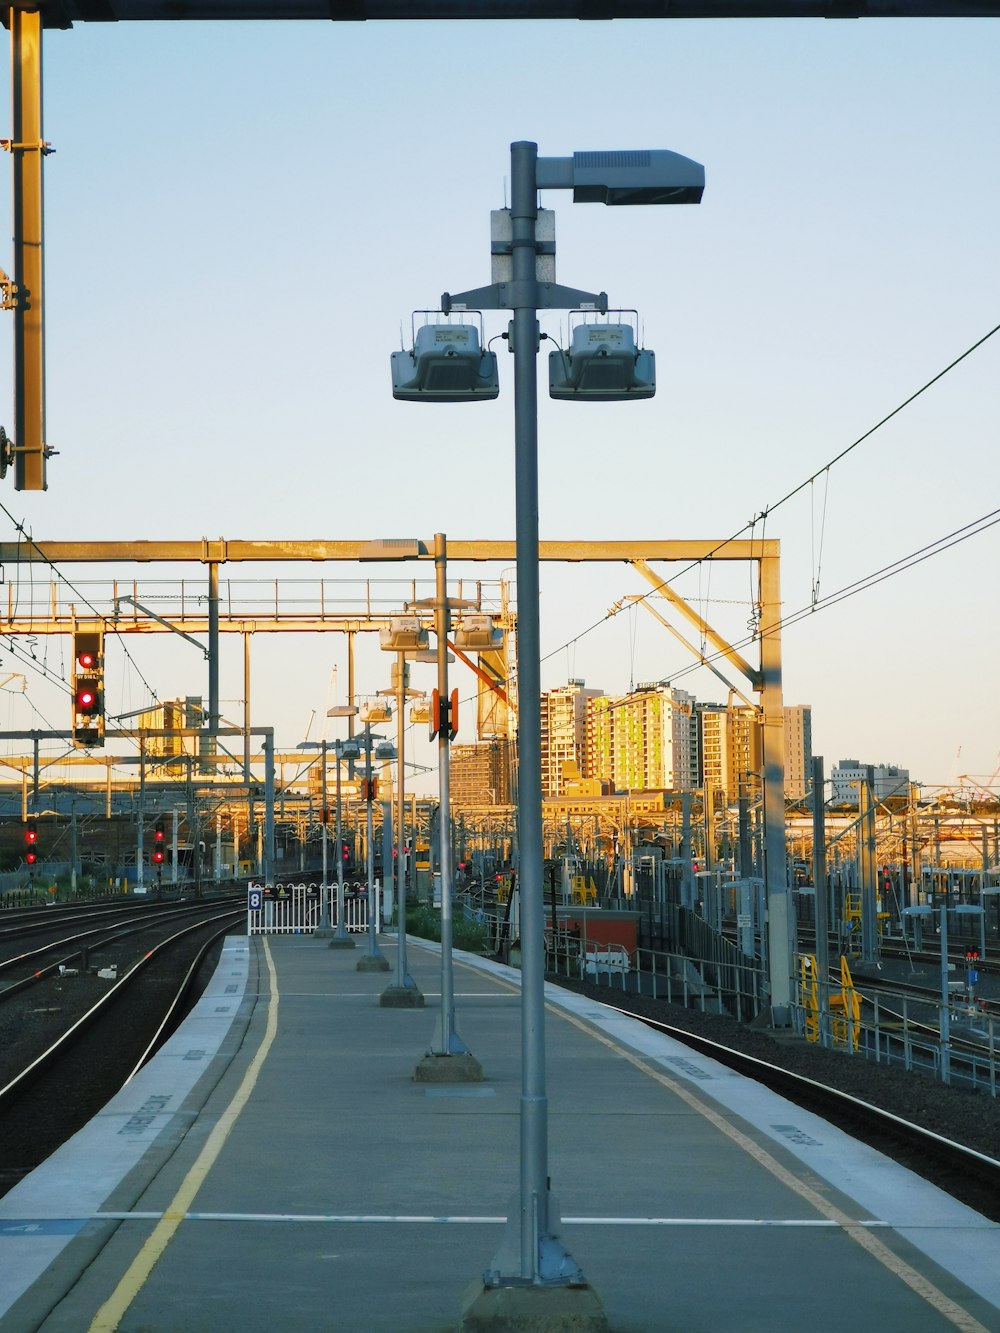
448	364
474	632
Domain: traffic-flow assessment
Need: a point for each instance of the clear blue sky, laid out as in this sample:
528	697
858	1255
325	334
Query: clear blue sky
239	217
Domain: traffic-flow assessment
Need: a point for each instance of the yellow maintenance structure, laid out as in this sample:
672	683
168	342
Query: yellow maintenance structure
845	1004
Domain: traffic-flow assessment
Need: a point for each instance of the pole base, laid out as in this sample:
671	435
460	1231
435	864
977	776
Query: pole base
538	1308
372	962
463	1068
341	942
401	997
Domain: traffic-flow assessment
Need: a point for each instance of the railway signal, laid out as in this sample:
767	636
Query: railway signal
88	688
31	842
158	840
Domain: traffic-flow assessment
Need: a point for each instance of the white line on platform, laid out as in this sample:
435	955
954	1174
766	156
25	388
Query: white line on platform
407	1219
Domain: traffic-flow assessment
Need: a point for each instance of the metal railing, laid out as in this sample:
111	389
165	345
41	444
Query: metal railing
896	1029
294	909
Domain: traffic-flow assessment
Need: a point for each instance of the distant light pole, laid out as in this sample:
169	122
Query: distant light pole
532	1256
323	930
373	959
460	1065
401	635
341	939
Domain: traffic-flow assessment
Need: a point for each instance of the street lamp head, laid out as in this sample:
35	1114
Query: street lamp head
342	710
632	176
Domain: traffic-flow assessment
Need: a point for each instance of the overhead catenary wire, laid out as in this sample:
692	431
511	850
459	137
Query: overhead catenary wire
750	525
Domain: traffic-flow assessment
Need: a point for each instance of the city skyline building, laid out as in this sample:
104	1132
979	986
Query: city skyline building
564	734
845	777
642	740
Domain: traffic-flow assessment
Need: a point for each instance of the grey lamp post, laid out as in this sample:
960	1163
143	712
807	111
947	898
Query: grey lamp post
373	959
323	930
531	1255
341	939
459	1065
402	992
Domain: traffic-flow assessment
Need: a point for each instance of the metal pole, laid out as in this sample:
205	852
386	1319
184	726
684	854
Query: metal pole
541	1256
945	998
211	740
28	151
246	713
820	901
403	992
139	836
268	853
780	914
446	1039
341	939
72	851
324	888
372	960
866	847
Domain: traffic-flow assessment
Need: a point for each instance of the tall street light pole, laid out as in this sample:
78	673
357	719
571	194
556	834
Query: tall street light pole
402	993
341	939
373	959
323	929
458	1064
531	1256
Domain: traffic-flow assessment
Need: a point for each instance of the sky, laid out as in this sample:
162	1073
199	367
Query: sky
241	218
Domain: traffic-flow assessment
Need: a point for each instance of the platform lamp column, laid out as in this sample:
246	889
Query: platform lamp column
341	939
324	888
402	636
402	979
373	959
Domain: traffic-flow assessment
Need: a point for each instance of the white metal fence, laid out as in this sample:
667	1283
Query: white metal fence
295	909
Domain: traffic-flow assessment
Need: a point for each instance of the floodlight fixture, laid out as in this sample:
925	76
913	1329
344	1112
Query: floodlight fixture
477	633
348	749
386	750
342	710
375	712
403	634
602	365
420	712
446	365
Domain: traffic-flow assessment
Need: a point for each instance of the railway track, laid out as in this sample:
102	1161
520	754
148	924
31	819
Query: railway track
72	1035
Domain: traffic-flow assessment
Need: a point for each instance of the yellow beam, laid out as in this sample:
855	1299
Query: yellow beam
267	552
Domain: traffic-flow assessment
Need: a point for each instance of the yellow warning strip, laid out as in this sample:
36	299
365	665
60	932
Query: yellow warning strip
114	1308
857	1231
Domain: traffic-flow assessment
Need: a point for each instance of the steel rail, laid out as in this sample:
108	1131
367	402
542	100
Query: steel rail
42	1062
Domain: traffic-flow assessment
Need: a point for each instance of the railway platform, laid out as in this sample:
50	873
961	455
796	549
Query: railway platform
278	1168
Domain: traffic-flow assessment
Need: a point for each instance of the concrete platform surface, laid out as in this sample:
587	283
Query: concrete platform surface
279	1167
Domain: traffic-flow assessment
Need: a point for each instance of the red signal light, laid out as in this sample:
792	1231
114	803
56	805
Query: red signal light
31	833
31	858
87	702
85	660
158	856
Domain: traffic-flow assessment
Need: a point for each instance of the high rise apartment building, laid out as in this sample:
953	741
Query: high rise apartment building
798	752
564	733
642	740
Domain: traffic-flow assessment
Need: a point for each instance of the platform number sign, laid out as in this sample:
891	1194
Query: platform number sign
255	900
